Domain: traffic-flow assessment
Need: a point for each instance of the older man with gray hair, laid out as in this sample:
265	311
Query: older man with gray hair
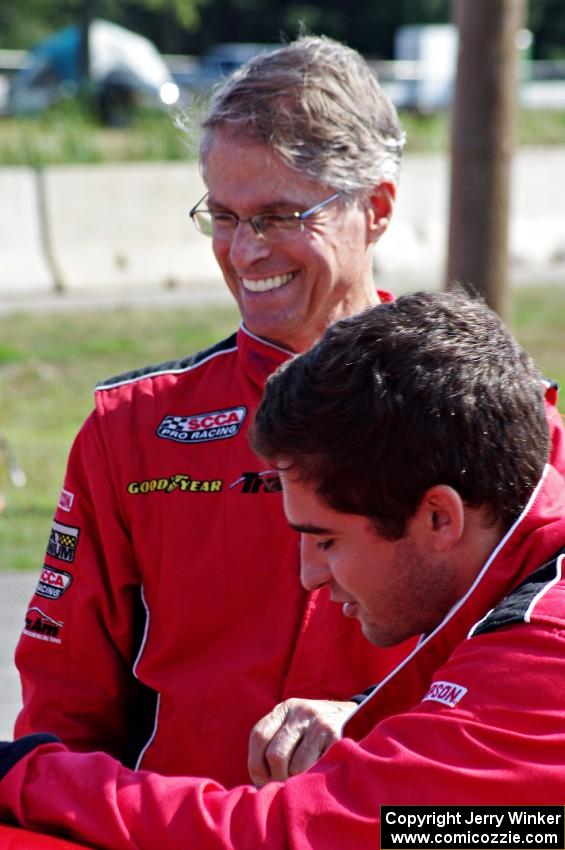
168	616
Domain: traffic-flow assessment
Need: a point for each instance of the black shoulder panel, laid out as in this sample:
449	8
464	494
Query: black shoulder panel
170	365
359	698
513	607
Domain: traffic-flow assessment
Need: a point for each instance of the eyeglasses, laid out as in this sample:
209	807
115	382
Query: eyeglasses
268	226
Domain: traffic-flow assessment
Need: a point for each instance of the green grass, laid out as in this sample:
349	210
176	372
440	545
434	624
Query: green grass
429	133
538	320
68	133
49	364
48	367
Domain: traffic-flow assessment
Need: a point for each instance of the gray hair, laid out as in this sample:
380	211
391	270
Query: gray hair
317	104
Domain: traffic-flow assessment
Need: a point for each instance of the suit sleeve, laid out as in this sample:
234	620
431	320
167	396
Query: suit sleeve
490	730
94	799
75	653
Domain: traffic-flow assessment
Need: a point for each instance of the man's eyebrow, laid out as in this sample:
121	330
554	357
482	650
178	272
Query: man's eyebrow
310	529
211	202
268	206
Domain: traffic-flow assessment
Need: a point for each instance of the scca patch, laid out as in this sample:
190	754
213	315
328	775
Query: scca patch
63	542
445	692
203	427
53	583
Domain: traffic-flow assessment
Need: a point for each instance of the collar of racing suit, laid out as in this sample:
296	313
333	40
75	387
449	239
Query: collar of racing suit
260	357
535	537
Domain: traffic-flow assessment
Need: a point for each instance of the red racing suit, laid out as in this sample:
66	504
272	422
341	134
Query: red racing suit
474	716
169	615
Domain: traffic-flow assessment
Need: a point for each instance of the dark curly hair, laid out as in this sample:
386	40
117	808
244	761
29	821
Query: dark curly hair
429	389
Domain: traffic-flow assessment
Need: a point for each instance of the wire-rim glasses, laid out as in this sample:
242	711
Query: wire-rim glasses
269	226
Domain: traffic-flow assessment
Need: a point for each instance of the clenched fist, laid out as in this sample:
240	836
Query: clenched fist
293	736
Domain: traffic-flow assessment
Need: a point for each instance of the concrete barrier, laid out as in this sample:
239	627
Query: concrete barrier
537	226
23	266
121	226
413	252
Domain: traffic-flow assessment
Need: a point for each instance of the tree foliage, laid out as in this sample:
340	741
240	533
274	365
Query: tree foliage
190	26
25	22
547	22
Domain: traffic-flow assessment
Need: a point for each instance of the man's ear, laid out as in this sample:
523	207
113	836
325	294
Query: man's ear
380	209
440	518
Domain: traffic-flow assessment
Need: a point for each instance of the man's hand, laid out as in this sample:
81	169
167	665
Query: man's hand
294	736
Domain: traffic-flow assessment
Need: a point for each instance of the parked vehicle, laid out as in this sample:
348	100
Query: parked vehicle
217	64
125	69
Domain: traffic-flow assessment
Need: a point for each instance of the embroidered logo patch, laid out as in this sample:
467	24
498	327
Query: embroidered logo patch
66	500
181	482
53	583
203	427
445	692
39	625
63	542
258	482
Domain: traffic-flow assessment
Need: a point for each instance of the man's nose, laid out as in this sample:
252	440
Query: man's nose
247	246
314	572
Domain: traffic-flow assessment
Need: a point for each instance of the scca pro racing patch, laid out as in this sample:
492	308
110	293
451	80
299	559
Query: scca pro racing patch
445	692
203	427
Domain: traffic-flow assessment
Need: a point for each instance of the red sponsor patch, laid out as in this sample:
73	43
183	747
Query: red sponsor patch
66	500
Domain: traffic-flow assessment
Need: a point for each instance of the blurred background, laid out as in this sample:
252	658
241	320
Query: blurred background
202	39
100	268
147	47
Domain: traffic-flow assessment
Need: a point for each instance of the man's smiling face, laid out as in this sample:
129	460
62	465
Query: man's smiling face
289	291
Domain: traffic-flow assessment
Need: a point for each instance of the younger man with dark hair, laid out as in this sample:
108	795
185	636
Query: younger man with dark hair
412	445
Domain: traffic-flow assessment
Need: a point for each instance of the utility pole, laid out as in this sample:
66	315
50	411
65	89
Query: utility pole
482	142
87	14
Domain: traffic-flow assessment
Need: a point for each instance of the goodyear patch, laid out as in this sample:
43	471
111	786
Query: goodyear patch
53	583
203	427
63	542
184	483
